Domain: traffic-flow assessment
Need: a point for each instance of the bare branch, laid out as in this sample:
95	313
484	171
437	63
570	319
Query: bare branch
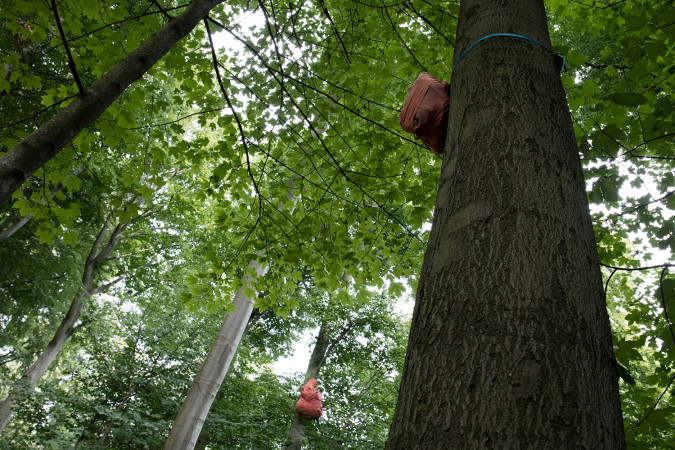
105	287
631	269
71	61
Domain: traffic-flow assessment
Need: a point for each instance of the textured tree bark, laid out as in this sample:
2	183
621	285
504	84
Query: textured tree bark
316	361
510	345
207	381
31	153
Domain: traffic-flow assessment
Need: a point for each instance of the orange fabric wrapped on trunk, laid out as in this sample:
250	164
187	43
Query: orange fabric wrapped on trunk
309	406
425	111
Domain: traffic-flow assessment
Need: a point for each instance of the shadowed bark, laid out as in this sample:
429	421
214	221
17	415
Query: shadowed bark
510	345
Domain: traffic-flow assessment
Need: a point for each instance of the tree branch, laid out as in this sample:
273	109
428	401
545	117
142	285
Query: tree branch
107	286
71	61
25	119
22	160
166	14
236	116
630	269
663	304
342	335
655	403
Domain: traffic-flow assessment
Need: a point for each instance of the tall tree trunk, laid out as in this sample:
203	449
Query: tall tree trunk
99	253
31	153
190	420
33	374
207	381
316	361
510	345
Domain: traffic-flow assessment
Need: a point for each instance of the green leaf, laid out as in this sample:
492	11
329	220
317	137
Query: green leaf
23	205
250	294
631	99
69	238
46	236
72	183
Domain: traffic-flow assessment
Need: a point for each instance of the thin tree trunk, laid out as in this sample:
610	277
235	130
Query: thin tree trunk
33	374
67	327
316	361
190	420
31	153
8	228
207	381
510	344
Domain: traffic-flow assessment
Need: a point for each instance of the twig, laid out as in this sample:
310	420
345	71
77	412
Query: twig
166	14
639	207
393	27
342	335
337	33
128	19
607	283
655	403
631	269
236	116
71	61
37	113
306	119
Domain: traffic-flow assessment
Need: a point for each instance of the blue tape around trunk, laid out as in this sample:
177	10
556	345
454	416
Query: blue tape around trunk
513	35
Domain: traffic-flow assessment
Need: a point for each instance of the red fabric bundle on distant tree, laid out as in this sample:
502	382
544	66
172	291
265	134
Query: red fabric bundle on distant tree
425	111
309	406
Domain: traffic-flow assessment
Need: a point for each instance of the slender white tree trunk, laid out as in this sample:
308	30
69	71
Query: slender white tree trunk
205	386
33	374
207	381
99	253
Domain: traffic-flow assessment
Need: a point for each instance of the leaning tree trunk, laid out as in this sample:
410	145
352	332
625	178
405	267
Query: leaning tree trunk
510	345
98	254
316	361
207	381
33	374
31	153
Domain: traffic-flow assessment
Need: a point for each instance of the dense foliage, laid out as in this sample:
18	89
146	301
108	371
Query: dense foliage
283	145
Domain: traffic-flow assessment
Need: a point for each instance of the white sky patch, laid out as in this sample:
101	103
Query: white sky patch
299	359
224	40
647	187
